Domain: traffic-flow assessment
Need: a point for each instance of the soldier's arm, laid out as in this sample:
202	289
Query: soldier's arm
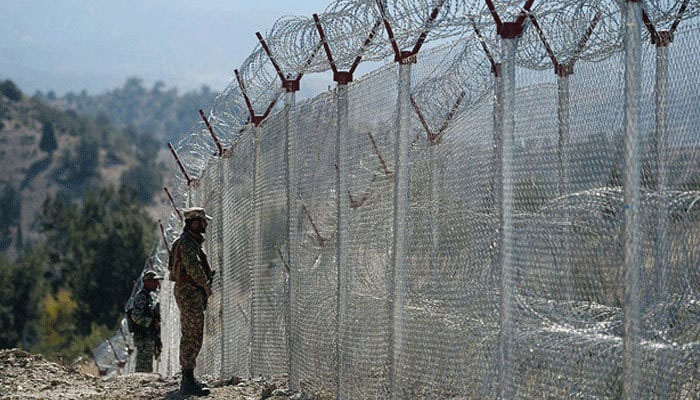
155	323
193	268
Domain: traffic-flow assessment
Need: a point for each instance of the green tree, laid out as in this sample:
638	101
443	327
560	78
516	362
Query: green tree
56	323
22	286
10	207
48	138
144	180
79	168
57	332
97	249
9	335
88	159
10	90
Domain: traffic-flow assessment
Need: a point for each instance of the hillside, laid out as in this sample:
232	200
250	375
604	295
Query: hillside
160	111
46	152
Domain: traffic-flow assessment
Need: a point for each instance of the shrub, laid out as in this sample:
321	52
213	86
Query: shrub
10	90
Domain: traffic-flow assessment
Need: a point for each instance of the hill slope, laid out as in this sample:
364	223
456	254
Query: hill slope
46	152
159	111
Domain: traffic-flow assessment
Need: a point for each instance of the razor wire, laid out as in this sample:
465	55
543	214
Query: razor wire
512	279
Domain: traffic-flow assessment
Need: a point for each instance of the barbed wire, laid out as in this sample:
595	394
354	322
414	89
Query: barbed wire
587	30
295	45
458	74
664	13
356	28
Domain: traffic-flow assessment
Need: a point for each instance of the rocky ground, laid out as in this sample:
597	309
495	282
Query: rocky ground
29	376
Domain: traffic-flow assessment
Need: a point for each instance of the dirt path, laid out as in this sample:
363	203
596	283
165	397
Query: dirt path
30	376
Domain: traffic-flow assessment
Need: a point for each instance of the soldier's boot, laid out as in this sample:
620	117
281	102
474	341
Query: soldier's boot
190	387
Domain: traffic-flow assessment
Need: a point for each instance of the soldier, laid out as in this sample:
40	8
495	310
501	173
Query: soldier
144	322
190	271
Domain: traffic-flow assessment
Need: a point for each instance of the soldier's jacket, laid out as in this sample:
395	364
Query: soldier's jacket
188	263
145	310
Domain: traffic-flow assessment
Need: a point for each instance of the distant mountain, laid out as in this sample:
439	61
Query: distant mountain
49	152
159	110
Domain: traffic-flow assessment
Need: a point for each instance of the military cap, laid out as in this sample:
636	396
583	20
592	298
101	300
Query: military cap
152	275
195	212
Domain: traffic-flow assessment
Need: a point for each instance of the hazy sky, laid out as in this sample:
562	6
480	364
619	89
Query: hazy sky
70	45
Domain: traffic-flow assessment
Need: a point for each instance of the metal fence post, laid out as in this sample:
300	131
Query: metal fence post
343	207
632	204
507	226
436	178
661	92
256	237
663	245
497	161
398	247
222	270
563	113
291	180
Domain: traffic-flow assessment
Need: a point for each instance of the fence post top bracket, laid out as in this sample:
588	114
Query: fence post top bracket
406	57
662	38
510	30
564	70
228	153
342	77
257	120
291	85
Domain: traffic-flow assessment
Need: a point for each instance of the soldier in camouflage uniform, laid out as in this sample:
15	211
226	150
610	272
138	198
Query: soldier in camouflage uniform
144	323
190	271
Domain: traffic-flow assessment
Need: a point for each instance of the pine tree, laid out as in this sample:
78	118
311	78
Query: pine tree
48	138
10	207
10	90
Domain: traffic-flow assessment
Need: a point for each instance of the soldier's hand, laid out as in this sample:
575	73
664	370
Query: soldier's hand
159	345
208	291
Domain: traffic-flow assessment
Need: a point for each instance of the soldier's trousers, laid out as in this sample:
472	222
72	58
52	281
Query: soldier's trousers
145	347
191	302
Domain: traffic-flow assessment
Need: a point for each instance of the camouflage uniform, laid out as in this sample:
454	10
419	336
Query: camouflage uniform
191	272
145	316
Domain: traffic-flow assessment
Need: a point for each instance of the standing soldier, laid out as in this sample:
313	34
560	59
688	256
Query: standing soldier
144	321
190	271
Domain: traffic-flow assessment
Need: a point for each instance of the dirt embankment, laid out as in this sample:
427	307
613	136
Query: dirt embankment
29	376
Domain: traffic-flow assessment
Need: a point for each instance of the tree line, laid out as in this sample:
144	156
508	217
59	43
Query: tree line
165	112
64	293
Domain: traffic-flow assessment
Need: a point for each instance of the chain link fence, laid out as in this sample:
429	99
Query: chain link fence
512	213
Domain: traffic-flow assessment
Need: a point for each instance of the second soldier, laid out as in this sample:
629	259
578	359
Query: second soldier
145	322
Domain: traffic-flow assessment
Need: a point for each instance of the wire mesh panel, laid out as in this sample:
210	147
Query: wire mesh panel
237	262
365	332
169	363
551	232
269	276
313	272
566	326
670	325
452	304
210	190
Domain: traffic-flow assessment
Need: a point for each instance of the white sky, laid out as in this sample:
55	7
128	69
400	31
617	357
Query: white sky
70	45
